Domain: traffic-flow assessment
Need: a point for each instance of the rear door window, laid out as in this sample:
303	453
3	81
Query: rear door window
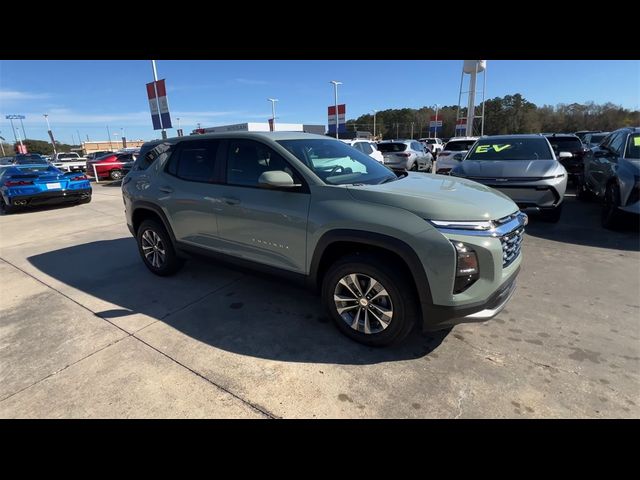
194	161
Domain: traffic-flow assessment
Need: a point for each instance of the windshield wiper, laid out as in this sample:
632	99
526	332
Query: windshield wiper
388	179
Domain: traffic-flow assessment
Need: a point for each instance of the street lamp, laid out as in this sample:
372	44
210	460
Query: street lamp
374	123
53	142
335	89
273	112
435	129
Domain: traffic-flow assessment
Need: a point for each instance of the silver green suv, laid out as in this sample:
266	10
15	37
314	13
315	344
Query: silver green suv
386	251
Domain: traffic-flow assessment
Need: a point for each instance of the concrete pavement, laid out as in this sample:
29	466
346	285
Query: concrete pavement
87	331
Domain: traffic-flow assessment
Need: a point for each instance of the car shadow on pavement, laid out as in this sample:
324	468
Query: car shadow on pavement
580	225
42	208
230	309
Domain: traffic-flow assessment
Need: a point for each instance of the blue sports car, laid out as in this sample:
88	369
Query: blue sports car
38	184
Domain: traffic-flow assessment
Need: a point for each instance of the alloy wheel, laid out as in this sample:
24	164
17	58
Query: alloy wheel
363	303
153	248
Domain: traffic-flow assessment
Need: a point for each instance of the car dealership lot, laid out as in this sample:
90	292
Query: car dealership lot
87	331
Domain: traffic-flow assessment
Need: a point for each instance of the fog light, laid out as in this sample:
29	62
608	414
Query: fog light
467	269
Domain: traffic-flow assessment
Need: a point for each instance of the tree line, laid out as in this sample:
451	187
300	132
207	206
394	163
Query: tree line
38	146
503	115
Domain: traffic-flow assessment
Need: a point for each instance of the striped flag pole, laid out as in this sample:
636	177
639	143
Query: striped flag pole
155	90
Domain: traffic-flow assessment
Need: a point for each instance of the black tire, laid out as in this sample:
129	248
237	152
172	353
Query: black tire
400	289
552	215
414	167
582	192
6	209
612	217
115	175
168	265
84	200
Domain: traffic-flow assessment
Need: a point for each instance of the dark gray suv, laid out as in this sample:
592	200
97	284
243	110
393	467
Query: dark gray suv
612	174
385	250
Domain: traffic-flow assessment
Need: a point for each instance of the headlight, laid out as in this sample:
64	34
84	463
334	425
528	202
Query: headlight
481	225
467	268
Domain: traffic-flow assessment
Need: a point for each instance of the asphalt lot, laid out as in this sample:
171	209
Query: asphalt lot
87	331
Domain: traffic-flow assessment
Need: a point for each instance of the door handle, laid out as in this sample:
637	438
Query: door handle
166	189
230	200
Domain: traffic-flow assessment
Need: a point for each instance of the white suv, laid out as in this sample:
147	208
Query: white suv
453	153
365	146
434	145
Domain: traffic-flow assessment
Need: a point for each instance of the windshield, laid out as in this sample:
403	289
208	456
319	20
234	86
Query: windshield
392	147
597	139
337	163
565	144
633	147
459	145
29	159
511	149
63	156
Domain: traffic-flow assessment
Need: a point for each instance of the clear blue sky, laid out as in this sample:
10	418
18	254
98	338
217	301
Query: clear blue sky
86	96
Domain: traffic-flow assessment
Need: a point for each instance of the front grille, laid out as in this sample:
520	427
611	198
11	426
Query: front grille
511	245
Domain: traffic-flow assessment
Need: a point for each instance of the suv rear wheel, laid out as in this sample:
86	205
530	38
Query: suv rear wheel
373	305
156	249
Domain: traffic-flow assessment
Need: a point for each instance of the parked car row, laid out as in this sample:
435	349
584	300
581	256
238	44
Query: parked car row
534	170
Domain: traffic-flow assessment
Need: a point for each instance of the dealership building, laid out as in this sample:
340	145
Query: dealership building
101	146
263	127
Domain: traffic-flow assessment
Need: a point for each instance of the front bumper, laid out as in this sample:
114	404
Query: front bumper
535	194
48	198
438	317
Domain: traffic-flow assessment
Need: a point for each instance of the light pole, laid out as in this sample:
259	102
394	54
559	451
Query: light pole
2	144
53	142
374	123
179	129
20	140
109	137
435	129
273	112
335	89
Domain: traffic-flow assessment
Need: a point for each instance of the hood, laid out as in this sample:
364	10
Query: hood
438	197
506	168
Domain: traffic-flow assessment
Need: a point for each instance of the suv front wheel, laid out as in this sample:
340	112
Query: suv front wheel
373	305
156	249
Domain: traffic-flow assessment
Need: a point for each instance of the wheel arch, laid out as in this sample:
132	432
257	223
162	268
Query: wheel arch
338	243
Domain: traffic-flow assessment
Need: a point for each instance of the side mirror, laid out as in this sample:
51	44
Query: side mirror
565	155
277	179
458	157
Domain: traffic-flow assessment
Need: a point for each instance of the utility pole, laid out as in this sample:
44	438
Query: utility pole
411	130
397	130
